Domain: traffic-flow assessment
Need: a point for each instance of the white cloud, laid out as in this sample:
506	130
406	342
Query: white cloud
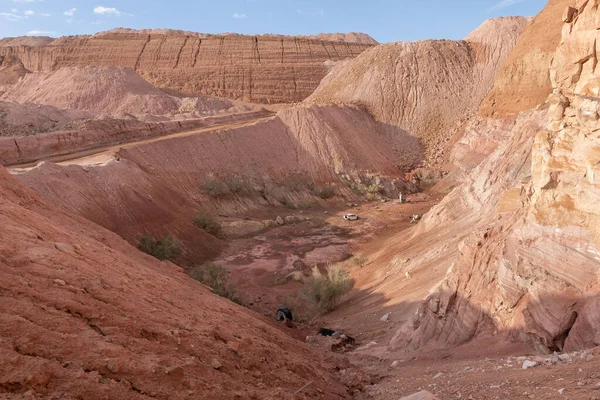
29	12
504	4
11	17
110	11
45	15
27	1
39	33
70	13
14	10
239	16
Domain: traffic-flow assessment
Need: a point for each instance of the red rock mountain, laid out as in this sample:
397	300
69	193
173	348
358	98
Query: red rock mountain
266	69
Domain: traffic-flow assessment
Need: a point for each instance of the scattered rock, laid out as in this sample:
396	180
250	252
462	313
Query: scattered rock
60	282
65	248
215	364
279	220
564	357
561	390
385	317
394	364
290	220
529	364
422	395
555	358
113	365
310	339
438	375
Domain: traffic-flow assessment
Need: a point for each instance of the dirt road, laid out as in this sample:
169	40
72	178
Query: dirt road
103	154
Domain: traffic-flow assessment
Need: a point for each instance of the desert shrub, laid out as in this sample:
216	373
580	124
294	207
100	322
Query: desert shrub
374	188
206	222
324	192
358	261
234	183
164	249
213	187
371	197
217	277
325	291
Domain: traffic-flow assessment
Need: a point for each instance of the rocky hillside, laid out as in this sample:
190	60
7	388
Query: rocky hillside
86	315
266	69
159	187
424	87
520	237
111	91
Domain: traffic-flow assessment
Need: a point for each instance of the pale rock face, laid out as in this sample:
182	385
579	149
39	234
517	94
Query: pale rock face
528	261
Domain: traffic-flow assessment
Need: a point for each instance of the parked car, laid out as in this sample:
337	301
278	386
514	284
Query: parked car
351	217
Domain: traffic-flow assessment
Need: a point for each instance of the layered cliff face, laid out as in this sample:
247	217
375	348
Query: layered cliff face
84	314
112	91
527	263
266	69
424	87
523	81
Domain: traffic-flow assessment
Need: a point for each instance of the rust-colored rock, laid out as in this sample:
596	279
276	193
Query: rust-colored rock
266	69
523	82
120	324
158	187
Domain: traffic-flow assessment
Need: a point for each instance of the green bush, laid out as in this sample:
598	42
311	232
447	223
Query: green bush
217	278
326	291
206	222
324	192
374	188
358	261
213	187
164	249
234	183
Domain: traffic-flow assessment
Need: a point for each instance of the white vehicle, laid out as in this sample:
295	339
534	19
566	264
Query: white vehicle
350	217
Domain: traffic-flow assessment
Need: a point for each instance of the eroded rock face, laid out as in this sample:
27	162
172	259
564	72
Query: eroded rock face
523	81
424	87
530	264
266	69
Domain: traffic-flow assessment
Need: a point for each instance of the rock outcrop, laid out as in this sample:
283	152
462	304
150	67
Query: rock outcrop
424	87
523	82
84	314
527	261
266	69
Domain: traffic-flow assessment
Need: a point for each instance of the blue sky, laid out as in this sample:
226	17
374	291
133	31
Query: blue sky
385	20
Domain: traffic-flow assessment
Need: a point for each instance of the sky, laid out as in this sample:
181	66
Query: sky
384	20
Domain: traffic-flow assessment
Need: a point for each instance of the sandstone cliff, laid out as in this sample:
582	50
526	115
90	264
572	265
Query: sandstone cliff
523	81
424	87
267	69
525	261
